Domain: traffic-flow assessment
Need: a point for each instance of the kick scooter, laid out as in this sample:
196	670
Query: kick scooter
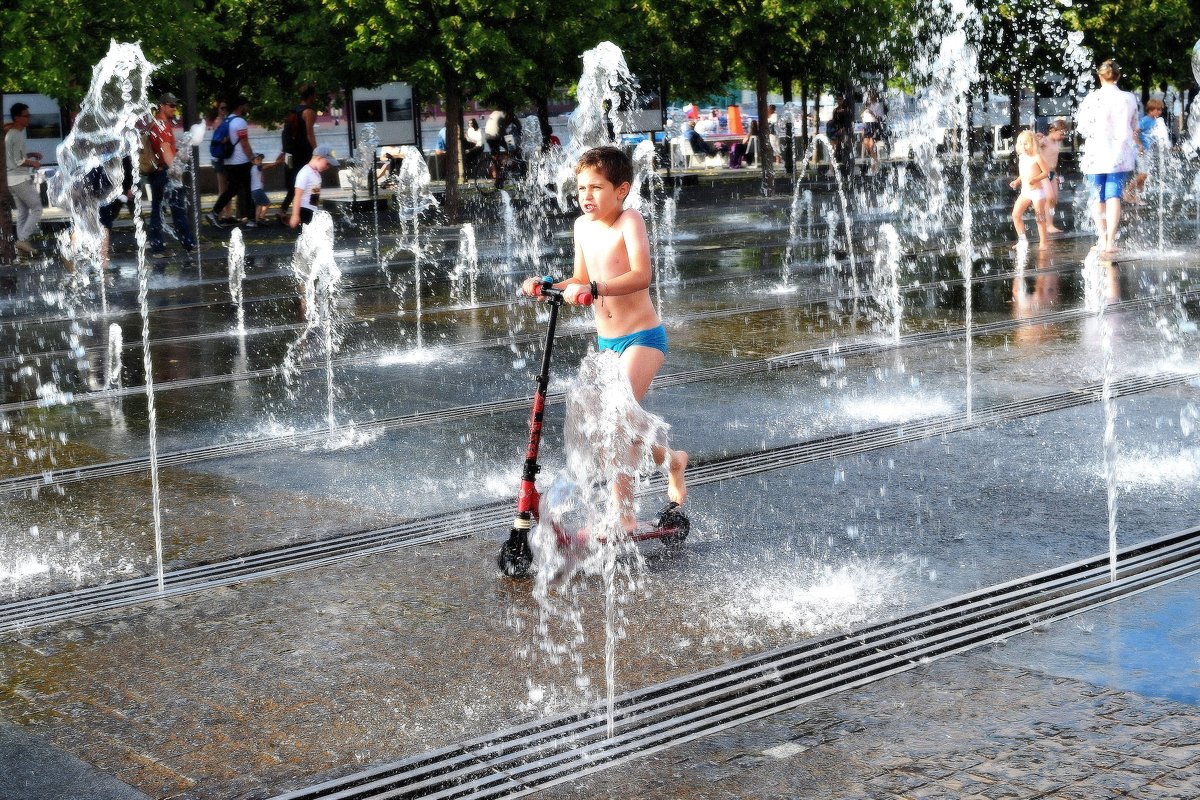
516	558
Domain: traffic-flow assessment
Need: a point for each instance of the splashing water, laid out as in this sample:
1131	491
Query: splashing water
610	442
319	276
237	274
112	369
1096	294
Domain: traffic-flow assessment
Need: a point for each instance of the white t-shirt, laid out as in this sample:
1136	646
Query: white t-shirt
474	135
256	182
14	151
873	112
308	180
239	130
1108	121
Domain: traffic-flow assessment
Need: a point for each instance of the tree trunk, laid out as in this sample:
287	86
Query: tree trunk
543	115
804	125
765	154
453	169
8	234
1014	109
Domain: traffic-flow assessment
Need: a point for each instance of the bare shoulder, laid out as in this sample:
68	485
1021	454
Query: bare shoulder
631	219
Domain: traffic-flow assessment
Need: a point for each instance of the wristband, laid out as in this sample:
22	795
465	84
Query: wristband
595	289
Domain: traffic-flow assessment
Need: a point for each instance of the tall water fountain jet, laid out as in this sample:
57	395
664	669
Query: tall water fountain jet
413	197
364	169
237	275
90	172
319	276
607	93
1193	140
946	76
89	175
467	267
581	534
885	281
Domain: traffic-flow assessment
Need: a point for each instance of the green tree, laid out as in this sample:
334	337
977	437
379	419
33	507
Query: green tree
168	32
449	48
1150	39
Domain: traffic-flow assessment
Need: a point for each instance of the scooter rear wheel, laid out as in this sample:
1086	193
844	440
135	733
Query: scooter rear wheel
674	519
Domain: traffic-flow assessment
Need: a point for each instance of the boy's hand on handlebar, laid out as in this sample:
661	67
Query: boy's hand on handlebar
529	286
577	294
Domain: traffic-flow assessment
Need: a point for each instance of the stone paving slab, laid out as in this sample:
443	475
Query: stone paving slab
999	723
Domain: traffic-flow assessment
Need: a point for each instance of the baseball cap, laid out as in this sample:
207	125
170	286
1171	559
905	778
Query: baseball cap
166	98
326	152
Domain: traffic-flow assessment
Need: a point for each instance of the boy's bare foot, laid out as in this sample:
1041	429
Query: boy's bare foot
676	488
1054	231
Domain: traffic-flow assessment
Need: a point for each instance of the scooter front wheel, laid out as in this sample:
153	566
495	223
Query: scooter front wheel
515	559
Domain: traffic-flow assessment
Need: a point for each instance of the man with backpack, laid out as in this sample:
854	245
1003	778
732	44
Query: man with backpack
299	139
233	138
156	159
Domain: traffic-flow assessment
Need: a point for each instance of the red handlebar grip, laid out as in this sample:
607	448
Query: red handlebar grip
584	298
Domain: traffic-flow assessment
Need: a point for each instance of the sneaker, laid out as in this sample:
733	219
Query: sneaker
211	219
251	224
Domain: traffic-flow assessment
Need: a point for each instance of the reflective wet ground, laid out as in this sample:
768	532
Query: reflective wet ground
984	463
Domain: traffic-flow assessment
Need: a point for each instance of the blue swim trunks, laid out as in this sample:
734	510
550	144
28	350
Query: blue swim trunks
654	337
1108	185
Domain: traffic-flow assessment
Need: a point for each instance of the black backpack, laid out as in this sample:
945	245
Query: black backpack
293	137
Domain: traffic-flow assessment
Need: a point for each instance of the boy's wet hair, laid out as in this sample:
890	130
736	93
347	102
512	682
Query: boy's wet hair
611	162
1060	125
1109	70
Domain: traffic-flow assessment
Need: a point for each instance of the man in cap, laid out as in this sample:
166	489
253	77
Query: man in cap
163	153
307	196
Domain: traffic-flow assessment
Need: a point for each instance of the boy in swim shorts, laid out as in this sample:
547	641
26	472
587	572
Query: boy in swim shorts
612	262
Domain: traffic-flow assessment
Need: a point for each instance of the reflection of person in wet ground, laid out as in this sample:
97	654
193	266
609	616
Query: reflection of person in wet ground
612	263
1107	119
1043	299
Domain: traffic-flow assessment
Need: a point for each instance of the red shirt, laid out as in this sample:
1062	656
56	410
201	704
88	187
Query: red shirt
162	132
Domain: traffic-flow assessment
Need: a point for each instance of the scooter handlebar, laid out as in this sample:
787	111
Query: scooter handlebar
545	289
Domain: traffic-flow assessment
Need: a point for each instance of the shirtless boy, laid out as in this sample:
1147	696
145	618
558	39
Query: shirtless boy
612	261
1051	146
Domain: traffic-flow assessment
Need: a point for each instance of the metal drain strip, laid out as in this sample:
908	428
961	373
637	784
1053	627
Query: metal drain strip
492	517
816	355
527	758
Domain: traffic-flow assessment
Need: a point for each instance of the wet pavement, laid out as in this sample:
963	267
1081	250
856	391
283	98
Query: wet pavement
253	688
